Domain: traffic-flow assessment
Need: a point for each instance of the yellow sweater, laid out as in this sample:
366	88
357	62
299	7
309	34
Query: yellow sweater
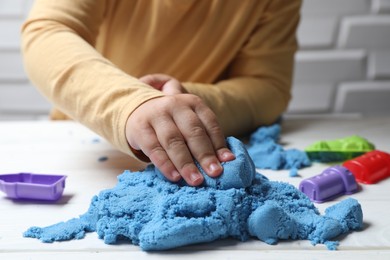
85	56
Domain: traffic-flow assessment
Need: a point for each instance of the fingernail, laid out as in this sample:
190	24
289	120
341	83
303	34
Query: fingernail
175	175
215	167
228	155
195	177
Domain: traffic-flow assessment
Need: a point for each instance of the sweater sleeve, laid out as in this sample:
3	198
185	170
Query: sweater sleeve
256	89
58	41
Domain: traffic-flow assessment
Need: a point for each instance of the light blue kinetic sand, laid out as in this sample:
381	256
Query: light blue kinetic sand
266	153
146	210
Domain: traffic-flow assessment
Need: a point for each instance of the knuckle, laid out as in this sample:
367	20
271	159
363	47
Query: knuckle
171	99
174	142
158	156
169	102
161	160
208	114
195	98
166	166
197	131
215	130
198	102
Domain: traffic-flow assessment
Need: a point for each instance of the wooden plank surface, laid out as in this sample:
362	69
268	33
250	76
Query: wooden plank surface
70	149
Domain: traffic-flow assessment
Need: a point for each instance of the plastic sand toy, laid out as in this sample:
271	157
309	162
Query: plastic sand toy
371	167
32	186
331	183
339	149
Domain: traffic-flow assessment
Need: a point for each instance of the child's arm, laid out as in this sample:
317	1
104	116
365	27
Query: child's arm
255	90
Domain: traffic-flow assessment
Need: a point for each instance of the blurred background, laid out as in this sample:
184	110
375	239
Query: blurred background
342	67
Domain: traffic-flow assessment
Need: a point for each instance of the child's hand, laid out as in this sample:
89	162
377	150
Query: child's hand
167	84
172	130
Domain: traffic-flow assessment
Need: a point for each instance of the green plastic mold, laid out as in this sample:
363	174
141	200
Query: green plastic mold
338	150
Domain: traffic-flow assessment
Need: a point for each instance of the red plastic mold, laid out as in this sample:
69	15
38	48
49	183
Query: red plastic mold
370	167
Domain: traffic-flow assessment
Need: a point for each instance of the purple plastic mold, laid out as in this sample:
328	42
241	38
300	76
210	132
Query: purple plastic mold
331	183
32	186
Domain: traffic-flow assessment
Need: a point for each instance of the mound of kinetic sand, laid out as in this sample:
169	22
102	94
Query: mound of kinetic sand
266	153
155	214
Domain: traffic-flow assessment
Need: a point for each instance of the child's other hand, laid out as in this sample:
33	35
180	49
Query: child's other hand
167	84
173	130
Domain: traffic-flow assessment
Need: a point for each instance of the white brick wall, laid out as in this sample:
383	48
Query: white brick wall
381	6
343	65
368	97
19	100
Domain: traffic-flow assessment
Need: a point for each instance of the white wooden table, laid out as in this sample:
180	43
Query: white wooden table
68	148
